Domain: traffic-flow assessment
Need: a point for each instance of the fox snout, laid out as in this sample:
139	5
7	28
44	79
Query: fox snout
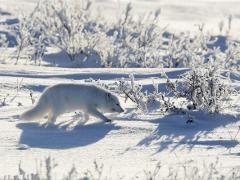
120	110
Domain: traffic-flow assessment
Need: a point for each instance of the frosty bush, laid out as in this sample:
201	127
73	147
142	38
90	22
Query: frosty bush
3	100
231	58
183	170
79	30
203	88
132	91
158	101
70	27
62	24
3	47
138	40
186	50
29	37
22	33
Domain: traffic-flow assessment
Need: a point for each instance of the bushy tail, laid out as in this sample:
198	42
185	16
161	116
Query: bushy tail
38	111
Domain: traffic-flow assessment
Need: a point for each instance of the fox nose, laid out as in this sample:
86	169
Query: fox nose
122	110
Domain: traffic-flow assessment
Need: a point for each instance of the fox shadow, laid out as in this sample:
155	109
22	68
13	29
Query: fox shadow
173	132
36	136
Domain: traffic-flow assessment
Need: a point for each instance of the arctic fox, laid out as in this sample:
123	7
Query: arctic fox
62	98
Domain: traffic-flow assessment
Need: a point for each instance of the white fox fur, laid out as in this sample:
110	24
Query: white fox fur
62	98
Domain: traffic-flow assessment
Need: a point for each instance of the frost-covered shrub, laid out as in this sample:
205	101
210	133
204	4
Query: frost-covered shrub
131	40
3	100
203	88
193	50
62	24
70	27
29	37
39	44
186	50
224	52
144	102
184	170
232	56
131	90
102	47
152	103
138	40
3	47
22	32
158	101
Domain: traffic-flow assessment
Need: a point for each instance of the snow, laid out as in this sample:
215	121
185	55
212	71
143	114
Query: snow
126	147
178	17
133	142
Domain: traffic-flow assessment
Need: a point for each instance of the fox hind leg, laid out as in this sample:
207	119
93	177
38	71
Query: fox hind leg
84	118
52	118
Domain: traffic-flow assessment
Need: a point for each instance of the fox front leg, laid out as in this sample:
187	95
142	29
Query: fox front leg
85	118
96	113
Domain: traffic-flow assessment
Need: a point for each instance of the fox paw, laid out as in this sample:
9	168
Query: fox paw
108	120
47	125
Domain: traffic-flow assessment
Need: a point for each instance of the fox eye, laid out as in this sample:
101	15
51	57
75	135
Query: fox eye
117	104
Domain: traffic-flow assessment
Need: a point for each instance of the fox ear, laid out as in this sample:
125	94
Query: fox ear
107	96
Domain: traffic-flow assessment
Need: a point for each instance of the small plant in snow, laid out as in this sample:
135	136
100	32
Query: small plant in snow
31	41
44	172
4	100
18	88
231	59
204	89
155	101
132	91
3	47
23	33
97	174
39	48
185	50
153	174
31	97
69	27
72	174
138	41
184	170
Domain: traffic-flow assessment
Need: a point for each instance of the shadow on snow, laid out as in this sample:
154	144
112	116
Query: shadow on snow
173	132
96	76
36	136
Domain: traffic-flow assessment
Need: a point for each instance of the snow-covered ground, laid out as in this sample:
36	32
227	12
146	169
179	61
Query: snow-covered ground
177	16
128	146
133	143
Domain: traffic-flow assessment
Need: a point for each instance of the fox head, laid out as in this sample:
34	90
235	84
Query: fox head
113	103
